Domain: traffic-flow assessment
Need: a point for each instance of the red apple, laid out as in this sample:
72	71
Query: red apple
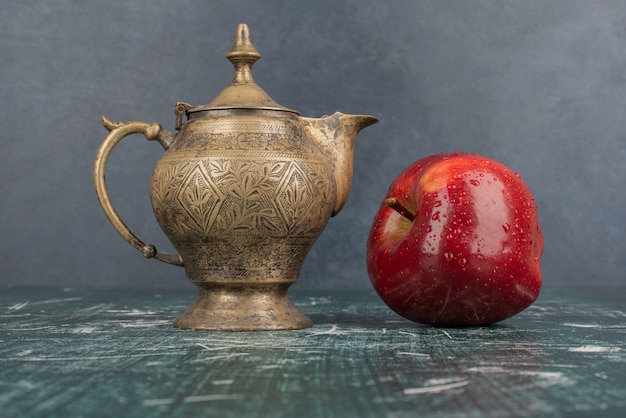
456	242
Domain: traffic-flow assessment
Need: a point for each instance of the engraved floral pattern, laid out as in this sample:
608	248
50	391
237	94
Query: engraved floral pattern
242	200
232	196
248	186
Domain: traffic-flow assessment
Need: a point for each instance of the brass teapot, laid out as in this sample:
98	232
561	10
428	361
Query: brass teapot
243	190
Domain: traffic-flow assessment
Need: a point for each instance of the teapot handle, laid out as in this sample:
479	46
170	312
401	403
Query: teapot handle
118	131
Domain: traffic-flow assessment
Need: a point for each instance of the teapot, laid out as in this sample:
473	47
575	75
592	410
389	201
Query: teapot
243	190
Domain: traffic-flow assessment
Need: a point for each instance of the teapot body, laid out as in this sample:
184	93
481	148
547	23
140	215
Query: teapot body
243	195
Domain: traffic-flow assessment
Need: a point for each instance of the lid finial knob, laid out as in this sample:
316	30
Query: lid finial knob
243	54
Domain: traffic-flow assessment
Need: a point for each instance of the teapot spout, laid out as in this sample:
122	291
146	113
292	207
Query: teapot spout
335	135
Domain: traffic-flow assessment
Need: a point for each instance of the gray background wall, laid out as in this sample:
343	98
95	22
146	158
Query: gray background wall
538	85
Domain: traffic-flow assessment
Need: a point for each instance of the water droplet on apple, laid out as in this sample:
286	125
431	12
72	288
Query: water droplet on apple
435	216
474	182
456	231
429	228
506	227
437	203
462	262
448	256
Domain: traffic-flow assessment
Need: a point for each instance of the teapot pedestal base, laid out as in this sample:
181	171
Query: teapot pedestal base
243	308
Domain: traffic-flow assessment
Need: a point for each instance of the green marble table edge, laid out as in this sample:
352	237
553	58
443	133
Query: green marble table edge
587	318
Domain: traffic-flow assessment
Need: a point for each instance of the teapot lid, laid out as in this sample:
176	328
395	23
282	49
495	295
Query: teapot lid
243	92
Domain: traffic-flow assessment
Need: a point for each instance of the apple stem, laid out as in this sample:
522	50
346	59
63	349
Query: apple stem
394	204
